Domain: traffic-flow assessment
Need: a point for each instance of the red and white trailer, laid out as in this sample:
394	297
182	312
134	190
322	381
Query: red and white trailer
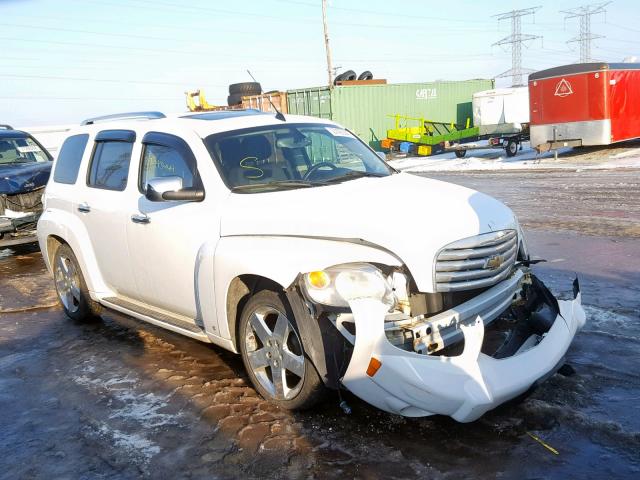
584	104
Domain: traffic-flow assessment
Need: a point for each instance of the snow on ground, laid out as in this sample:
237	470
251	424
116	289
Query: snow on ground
588	158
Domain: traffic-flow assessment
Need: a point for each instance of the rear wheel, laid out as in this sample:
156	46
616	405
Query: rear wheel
273	353
461	153
71	287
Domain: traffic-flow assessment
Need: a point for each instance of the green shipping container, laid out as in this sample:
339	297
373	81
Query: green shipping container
315	102
367	110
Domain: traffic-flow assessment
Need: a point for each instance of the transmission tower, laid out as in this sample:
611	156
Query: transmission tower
516	39
584	13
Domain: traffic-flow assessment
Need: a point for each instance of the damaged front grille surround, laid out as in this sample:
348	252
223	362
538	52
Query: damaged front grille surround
430	334
30	202
476	262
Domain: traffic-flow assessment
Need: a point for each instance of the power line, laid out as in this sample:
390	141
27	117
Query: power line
107	99
584	13
516	39
163	51
183	9
389	14
105	80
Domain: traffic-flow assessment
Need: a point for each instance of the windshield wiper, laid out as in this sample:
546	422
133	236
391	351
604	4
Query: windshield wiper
280	184
353	174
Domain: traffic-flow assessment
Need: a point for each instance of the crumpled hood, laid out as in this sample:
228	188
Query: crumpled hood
411	216
23	177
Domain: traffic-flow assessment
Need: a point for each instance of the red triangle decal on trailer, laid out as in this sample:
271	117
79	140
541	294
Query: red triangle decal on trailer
563	88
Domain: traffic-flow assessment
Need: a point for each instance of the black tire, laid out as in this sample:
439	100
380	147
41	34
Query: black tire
511	148
349	75
311	390
345	76
234	99
245	88
366	75
79	306
461	153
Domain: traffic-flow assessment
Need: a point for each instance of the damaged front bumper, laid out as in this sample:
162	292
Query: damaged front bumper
18	230
465	386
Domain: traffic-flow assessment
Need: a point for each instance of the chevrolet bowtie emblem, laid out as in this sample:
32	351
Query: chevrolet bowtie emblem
494	262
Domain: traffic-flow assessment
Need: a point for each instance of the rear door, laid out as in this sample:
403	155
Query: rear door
165	238
102	207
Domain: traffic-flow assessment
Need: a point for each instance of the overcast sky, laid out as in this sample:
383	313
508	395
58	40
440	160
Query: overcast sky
65	60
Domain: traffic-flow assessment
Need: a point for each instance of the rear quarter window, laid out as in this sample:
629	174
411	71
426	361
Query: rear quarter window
69	159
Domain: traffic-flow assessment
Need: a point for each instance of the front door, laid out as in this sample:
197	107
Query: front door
166	237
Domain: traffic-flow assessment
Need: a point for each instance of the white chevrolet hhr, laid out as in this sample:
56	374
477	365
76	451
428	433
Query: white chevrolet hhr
288	240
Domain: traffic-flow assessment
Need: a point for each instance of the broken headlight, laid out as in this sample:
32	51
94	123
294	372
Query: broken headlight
336	286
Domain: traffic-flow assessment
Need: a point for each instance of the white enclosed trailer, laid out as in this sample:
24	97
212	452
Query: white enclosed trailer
502	118
501	111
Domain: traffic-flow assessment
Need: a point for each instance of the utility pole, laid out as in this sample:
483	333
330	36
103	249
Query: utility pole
516	39
326	43
584	13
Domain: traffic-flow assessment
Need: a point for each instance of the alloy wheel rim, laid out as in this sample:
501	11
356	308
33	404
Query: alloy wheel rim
67	283
275	353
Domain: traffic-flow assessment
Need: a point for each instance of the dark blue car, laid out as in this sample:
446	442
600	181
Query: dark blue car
25	166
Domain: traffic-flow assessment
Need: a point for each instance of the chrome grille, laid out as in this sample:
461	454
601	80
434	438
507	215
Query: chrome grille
476	262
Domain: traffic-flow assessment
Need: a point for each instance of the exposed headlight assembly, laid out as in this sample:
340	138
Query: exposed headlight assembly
336	286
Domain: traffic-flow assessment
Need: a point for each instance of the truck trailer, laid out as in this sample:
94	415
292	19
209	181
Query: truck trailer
584	104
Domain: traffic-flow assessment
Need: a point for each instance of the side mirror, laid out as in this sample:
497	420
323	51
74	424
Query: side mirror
382	155
164	189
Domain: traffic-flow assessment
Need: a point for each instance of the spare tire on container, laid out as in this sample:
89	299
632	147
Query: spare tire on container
348	75
235	99
366	75
245	88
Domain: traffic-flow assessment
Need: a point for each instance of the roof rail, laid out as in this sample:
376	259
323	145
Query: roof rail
123	116
5	126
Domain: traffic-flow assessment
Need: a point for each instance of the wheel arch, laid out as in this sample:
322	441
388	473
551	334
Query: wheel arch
240	289
61	227
53	243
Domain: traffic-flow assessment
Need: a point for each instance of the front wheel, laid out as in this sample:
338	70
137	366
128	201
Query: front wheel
273	353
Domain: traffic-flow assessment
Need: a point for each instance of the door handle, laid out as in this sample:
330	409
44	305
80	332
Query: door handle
140	218
84	208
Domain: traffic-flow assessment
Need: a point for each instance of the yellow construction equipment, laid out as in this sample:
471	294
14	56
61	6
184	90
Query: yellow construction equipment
201	105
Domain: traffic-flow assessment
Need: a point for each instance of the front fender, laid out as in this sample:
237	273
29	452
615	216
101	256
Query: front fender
281	259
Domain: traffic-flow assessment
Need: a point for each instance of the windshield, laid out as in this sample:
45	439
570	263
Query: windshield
292	156
21	150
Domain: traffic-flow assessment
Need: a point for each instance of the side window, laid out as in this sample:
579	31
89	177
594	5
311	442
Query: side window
69	159
110	165
167	156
